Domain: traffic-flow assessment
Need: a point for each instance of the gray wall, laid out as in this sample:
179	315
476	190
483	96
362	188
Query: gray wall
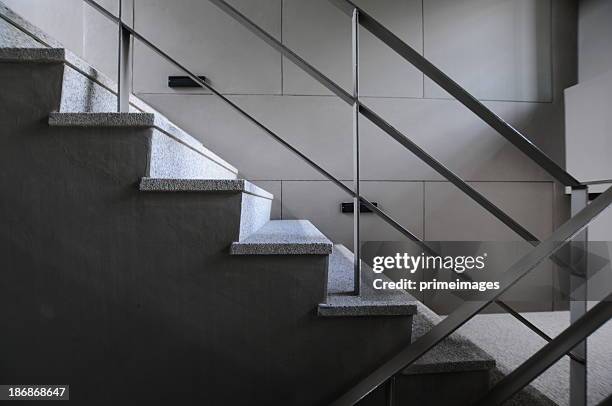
516	56
589	103
589	106
595	31
62	19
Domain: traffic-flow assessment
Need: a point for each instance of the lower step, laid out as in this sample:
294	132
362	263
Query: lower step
255	204
341	302
284	237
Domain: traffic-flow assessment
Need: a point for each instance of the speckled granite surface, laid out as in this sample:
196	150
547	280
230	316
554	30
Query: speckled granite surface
37	37
202	185
284	237
342	303
105	119
254	214
81	94
171	158
166	135
10	37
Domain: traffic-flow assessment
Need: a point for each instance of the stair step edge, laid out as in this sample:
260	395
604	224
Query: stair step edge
340	301
102	120
354	306
203	185
284	237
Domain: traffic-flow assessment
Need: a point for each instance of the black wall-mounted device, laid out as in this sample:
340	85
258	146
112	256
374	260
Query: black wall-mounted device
348	207
183	81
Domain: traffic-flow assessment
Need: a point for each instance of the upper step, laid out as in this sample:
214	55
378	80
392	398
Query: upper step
109	119
174	153
256	203
284	237
203	185
341	302
144	119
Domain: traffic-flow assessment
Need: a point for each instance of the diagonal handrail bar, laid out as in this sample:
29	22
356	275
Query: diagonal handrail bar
377	120
549	354
462	95
396	135
469	309
386	217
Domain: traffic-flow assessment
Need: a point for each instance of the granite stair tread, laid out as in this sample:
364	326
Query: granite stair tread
107	119
138	120
284	237
342	303
203	185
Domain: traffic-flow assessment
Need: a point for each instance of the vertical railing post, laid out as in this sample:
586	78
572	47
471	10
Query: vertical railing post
124	73
578	298
391	391
356	180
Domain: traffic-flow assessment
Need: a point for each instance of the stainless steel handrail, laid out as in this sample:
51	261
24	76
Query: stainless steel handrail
469	309
378	121
462	95
395	134
387	218
356	157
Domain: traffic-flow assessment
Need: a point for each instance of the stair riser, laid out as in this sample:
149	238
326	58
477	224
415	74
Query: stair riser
172	159
82	95
254	214
11	37
173	154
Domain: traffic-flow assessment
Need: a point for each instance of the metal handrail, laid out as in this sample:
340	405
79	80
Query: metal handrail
386	217
549	354
470	309
379	122
403	140
462	95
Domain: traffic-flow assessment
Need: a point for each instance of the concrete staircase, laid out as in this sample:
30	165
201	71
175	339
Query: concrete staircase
142	261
